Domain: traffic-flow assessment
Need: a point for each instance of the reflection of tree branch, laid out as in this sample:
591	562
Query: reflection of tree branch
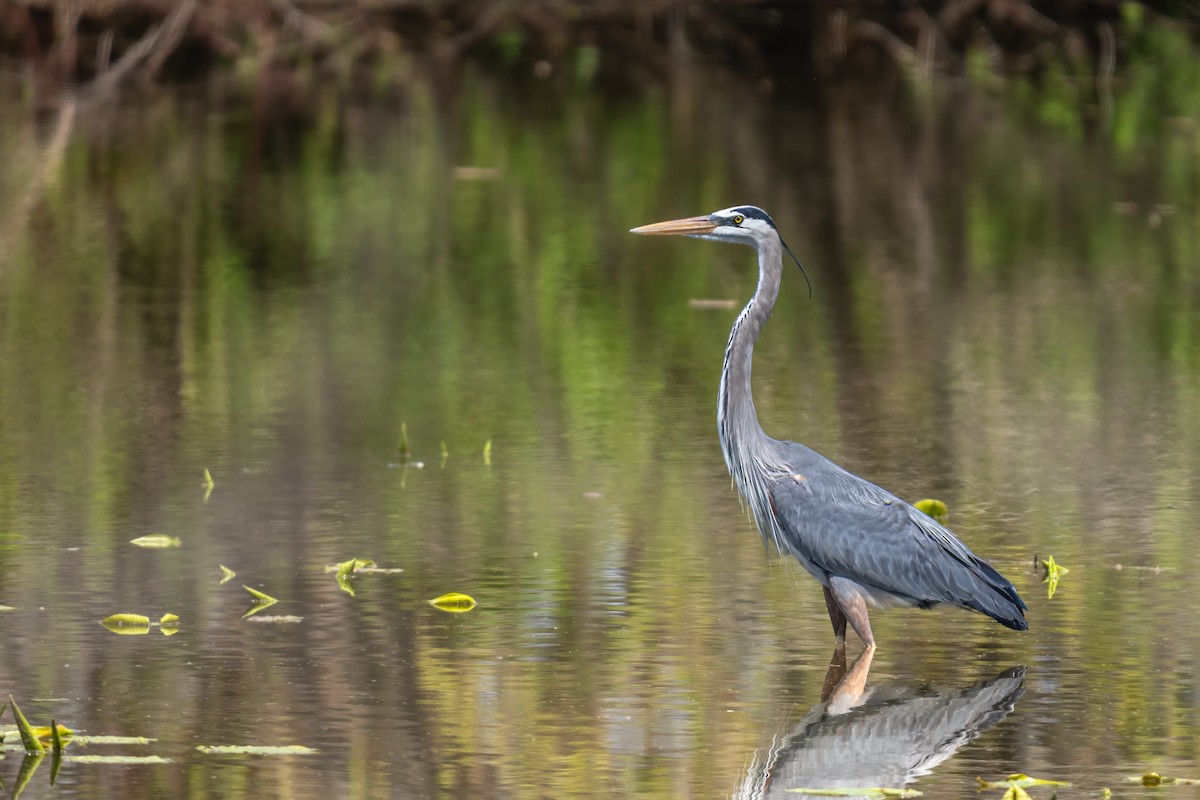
151	50
44	175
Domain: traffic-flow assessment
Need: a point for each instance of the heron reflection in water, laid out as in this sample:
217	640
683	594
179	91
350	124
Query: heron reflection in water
885	737
867	547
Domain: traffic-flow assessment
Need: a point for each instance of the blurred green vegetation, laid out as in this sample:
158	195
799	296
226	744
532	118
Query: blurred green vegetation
1004	317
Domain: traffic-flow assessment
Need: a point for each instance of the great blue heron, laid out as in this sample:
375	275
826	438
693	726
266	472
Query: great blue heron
866	546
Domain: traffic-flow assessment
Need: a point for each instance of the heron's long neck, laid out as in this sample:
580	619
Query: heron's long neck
742	438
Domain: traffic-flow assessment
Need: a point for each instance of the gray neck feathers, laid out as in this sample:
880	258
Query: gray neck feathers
748	451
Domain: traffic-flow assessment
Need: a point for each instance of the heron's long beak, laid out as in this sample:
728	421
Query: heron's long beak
678	227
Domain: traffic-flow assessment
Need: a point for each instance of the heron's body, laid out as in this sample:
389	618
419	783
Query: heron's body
866	546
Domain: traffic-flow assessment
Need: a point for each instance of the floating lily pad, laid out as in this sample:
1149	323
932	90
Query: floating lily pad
454	602
256	750
156	541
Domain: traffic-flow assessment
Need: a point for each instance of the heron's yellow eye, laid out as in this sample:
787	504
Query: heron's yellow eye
739	219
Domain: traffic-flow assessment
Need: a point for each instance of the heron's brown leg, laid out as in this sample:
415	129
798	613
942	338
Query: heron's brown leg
850	601
836	616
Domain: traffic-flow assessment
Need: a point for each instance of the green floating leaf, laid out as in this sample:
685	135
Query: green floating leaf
348	568
454	602
169	620
1052	572
1018	780
256	750
8	608
933	508
261	602
870	792
208	485
28	738
260	597
445	453
48	732
156	541
125	621
91	759
226	574
487	452
1154	779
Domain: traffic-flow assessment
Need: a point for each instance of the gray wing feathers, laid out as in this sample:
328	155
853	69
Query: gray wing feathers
842	525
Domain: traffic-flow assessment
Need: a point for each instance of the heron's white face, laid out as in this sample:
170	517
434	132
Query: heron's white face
742	224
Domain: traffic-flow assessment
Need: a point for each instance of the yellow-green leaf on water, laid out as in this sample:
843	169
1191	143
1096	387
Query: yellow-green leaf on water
445	453
260	597
454	602
487	452
869	792
1016	793
208	485
127	624
1019	780
260	602
156	541
8	608
28	738
169	620
46	732
346	569
226	574
933	508
256	750
1052	573
1154	779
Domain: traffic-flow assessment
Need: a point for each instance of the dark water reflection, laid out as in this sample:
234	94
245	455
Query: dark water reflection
1005	318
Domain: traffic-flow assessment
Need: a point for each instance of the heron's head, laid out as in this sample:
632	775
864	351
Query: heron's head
742	224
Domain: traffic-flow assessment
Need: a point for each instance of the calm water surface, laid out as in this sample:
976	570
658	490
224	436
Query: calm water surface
1005	316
